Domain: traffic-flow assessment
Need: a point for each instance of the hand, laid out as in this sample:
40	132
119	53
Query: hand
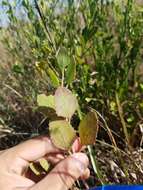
15	161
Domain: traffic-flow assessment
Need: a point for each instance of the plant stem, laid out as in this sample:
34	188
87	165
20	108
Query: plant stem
114	144
94	164
120	111
63	76
108	130
52	43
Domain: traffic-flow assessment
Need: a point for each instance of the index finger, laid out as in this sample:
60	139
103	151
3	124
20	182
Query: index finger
34	149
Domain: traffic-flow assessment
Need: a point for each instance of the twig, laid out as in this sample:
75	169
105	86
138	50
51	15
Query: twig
12	89
120	111
52	43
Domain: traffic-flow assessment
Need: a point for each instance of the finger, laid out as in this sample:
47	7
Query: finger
34	149
37	178
26	152
86	174
77	146
65	173
54	158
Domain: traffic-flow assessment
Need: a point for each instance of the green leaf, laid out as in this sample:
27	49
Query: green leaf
2	121
62	134
44	164
5	3
17	69
63	59
113	107
54	79
141	86
141	104
46	101
130	119
88	129
71	72
78	51
65	102
25	3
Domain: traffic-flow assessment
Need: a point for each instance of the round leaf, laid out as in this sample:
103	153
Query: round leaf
65	102
88	129
62	134
63	59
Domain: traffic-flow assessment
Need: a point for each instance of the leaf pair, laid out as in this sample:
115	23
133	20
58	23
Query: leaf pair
63	134
63	102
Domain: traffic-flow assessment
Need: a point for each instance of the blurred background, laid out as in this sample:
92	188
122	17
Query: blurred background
102	42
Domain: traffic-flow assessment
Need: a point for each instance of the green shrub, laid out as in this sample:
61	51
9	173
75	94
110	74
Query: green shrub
92	46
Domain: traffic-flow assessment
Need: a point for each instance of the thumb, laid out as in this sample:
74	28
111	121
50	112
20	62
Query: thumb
63	176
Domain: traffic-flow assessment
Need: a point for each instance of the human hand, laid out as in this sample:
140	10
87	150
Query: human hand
15	161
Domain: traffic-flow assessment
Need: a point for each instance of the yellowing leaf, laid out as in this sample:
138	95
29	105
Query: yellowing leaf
88	129
62	134
46	101
44	164
65	102
34	170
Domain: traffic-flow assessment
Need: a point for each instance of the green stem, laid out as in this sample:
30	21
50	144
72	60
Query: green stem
94	164
108	130
50	39
120	111
63	76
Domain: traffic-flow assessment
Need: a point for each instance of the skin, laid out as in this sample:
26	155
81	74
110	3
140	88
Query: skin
14	162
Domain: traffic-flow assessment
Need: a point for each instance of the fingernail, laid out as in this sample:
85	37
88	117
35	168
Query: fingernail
81	160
